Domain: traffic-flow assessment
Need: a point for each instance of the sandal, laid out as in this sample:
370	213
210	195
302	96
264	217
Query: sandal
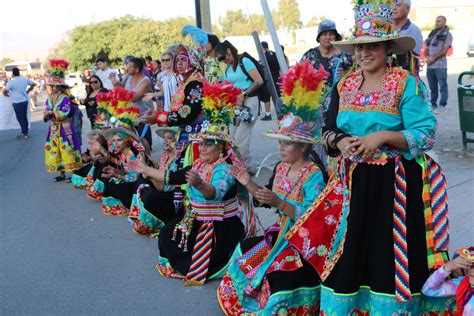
59	178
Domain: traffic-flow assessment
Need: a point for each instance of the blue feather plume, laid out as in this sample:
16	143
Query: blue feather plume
198	35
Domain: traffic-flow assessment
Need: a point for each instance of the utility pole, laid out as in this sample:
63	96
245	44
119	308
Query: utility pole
276	43
203	15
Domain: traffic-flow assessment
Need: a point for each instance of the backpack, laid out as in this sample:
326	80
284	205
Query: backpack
263	88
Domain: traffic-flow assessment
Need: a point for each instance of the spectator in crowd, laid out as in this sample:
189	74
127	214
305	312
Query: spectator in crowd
332	59
148	63
272	61
248	101
405	27
327	55
105	73
154	72
126	60
140	84
437	45
90	101
85	78
166	83
146	71
214	69
17	89
403	24
155	67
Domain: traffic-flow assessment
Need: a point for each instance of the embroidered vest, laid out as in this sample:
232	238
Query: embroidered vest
386	100
287	187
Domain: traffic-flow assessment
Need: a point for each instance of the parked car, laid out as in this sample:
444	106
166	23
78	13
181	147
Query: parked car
470	47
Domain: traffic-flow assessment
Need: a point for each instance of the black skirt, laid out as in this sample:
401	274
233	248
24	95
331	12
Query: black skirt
159	203
368	255
122	191
83	171
227	234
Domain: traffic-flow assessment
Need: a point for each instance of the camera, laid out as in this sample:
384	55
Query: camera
244	114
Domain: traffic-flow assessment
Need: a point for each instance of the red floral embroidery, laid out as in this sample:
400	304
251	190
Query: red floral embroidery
385	100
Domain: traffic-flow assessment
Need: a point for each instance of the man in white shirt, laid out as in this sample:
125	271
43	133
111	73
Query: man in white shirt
16	89
104	71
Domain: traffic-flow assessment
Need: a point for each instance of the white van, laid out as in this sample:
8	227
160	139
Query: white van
24	66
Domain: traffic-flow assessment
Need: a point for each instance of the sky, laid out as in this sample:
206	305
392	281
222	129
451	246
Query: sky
28	28
31	31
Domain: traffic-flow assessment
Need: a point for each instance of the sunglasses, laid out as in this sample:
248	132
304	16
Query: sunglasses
94	81
165	59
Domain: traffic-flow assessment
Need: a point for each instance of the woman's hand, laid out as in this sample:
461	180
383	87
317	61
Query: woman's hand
193	179
113	79
265	196
109	172
367	145
148	96
240	99
140	166
47	115
150	117
344	146
457	263
240	173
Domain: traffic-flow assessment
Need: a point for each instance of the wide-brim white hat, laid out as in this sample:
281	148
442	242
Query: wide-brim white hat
400	44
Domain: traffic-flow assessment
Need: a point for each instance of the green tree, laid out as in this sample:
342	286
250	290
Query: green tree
235	22
117	38
315	20
290	14
4	61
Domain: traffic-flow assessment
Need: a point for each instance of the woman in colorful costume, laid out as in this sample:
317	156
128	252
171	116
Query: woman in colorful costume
117	182
382	220
96	148
266	276
120	185
186	109
62	149
197	246
152	206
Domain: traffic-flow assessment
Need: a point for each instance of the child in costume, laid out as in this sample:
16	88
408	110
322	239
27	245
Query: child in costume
462	288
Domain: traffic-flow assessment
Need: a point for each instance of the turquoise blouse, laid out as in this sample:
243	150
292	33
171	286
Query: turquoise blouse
362	113
222	180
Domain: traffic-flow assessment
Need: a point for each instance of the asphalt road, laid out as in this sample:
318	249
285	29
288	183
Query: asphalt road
60	256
